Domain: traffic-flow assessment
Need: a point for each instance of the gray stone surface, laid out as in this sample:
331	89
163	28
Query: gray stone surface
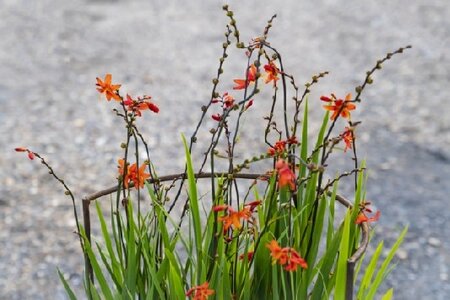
51	52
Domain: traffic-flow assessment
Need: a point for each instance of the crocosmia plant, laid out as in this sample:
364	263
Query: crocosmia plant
285	233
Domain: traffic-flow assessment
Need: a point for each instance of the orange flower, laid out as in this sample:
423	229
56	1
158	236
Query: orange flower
271	73
200	292
336	106
135	174
139	105
242	83
285	175
275	252
280	146
228	100
234	218
294	261
362	217
347	137
287	256
110	90
363	210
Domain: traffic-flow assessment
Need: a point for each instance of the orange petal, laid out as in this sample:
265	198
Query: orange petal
348	97
108	78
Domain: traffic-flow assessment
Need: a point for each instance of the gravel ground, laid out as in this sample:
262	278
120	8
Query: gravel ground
51	52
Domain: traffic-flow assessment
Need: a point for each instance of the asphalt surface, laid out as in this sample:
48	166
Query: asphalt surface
51	52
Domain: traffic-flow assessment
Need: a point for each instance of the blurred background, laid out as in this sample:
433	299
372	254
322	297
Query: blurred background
52	51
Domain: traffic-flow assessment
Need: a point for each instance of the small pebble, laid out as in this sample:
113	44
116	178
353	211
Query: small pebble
402	254
434	242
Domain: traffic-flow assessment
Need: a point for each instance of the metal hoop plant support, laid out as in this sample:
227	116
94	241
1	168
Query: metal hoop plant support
351	262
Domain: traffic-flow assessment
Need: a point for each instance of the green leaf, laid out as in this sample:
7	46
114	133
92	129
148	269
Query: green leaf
194	209
389	294
106	290
69	291
115	269
176	285
341	272
132	252
382	273
324	275
370	270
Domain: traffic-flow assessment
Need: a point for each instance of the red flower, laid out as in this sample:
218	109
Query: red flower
347	137
287	256
248	105
243	83
249	255
110	90
285	175
292	140
30	153
216	117
337	104
252	205
200	292
220	207
278	148
271	73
